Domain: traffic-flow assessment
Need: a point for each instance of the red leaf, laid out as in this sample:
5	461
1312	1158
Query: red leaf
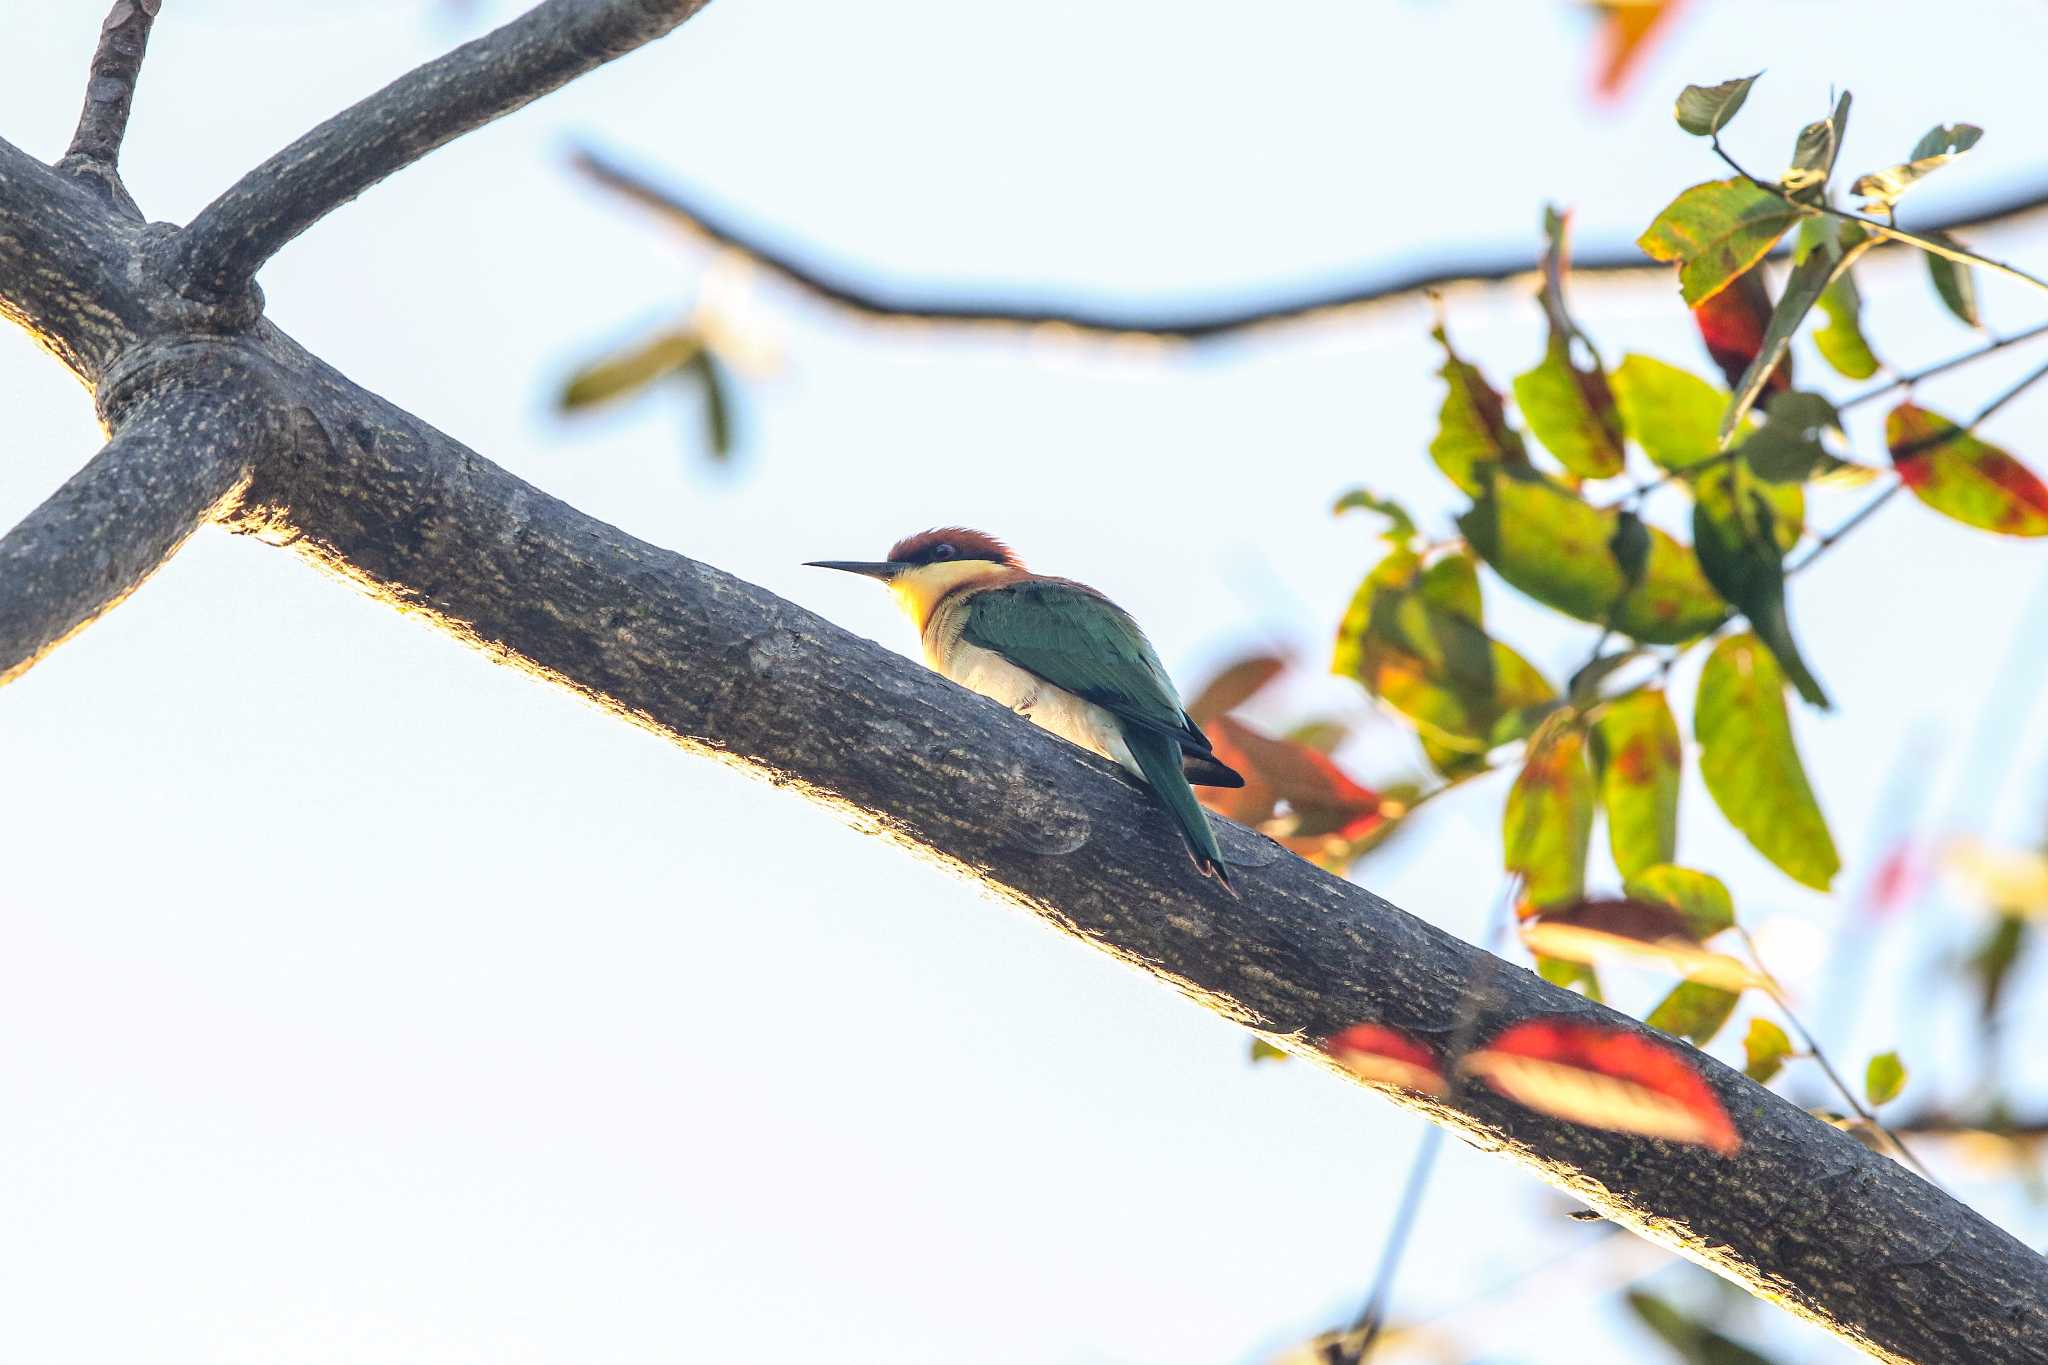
1375	1053
1649	921
1732	323
1234	686
1605	1078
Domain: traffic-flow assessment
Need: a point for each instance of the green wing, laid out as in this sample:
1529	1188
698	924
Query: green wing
1076	639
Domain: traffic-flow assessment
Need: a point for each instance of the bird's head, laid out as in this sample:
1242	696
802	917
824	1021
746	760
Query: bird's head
926	567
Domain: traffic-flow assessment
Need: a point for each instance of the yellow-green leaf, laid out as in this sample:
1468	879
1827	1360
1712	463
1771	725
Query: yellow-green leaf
1882	189
1953	281
1637	754
629	371
1764	1050
1694	1010
1473	435
1549	820
1571	411
1884	1078
1673	414
1749	763
1962	477
1699	896
1704	110
1715	231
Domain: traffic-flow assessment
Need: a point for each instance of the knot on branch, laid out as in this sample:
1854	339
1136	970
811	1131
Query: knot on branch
158	366
187	302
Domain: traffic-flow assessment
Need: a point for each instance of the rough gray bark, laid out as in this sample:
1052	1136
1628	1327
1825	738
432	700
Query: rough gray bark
274	443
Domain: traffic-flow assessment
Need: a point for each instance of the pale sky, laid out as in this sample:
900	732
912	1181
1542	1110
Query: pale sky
363	1000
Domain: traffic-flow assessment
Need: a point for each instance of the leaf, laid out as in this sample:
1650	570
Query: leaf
1604	1078
1637	755
1400	526
1549	820
1962	477
1942	144
1840	340
1411	635
1993	962
1733	322
1715	231
1694	1341
1704	110
1698	896
1884	1078
1568	975
1787	448
1636	932
1571	411
1953	280
1764	1049
1263	1051
1673	414
711	374
1472	426
1626	31
627	372
1560	550
1323	801
1738	543
1693	1010
2012	880
1237	684
1375	1053
1750	766
1813	156
1803	288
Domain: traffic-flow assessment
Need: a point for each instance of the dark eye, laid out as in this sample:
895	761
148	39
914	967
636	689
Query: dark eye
944	550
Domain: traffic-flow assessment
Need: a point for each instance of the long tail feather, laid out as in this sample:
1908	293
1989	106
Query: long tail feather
1159	758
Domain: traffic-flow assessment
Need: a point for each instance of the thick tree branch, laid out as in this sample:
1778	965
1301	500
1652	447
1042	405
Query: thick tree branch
857	290
109	93
217	413
542	50
179	458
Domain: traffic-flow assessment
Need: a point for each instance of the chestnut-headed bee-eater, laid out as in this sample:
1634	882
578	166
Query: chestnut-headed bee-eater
1060	653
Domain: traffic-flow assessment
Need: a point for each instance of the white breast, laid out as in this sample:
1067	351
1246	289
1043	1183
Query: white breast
1056	709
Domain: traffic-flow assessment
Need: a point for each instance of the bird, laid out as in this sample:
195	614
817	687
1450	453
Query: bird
1061	654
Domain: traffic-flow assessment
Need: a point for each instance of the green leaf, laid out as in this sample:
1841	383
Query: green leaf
1571	411
629	371
1813	156
706	369
1549	820
1699	896
1749	763
1942	144
1412	637
1637	754
1764	1051
1962	477
1400	526
1884	1078
1673	414
1704	110
1803	288
1736	533
1473	435
1693	1010
1715	231
1840	339
1788	449
1554	546
1567	975
1694	1342
1953	281
1992	962
1263	1051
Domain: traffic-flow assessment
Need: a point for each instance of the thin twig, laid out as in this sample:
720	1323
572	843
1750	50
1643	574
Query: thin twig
1814	1050
1827	542
116	63
856	291
1906	381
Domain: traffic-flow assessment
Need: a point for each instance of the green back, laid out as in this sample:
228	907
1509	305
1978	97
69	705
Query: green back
1076	639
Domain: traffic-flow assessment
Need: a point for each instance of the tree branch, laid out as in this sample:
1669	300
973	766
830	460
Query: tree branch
1804	1214
96	147
853	289
547	47
180	457
64	260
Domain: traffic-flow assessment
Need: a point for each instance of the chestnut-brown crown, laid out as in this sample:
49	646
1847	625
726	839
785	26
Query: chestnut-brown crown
946	543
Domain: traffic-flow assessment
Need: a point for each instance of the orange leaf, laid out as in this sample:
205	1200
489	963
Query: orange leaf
1625	31
1604	1078
1375	1053
1234	686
